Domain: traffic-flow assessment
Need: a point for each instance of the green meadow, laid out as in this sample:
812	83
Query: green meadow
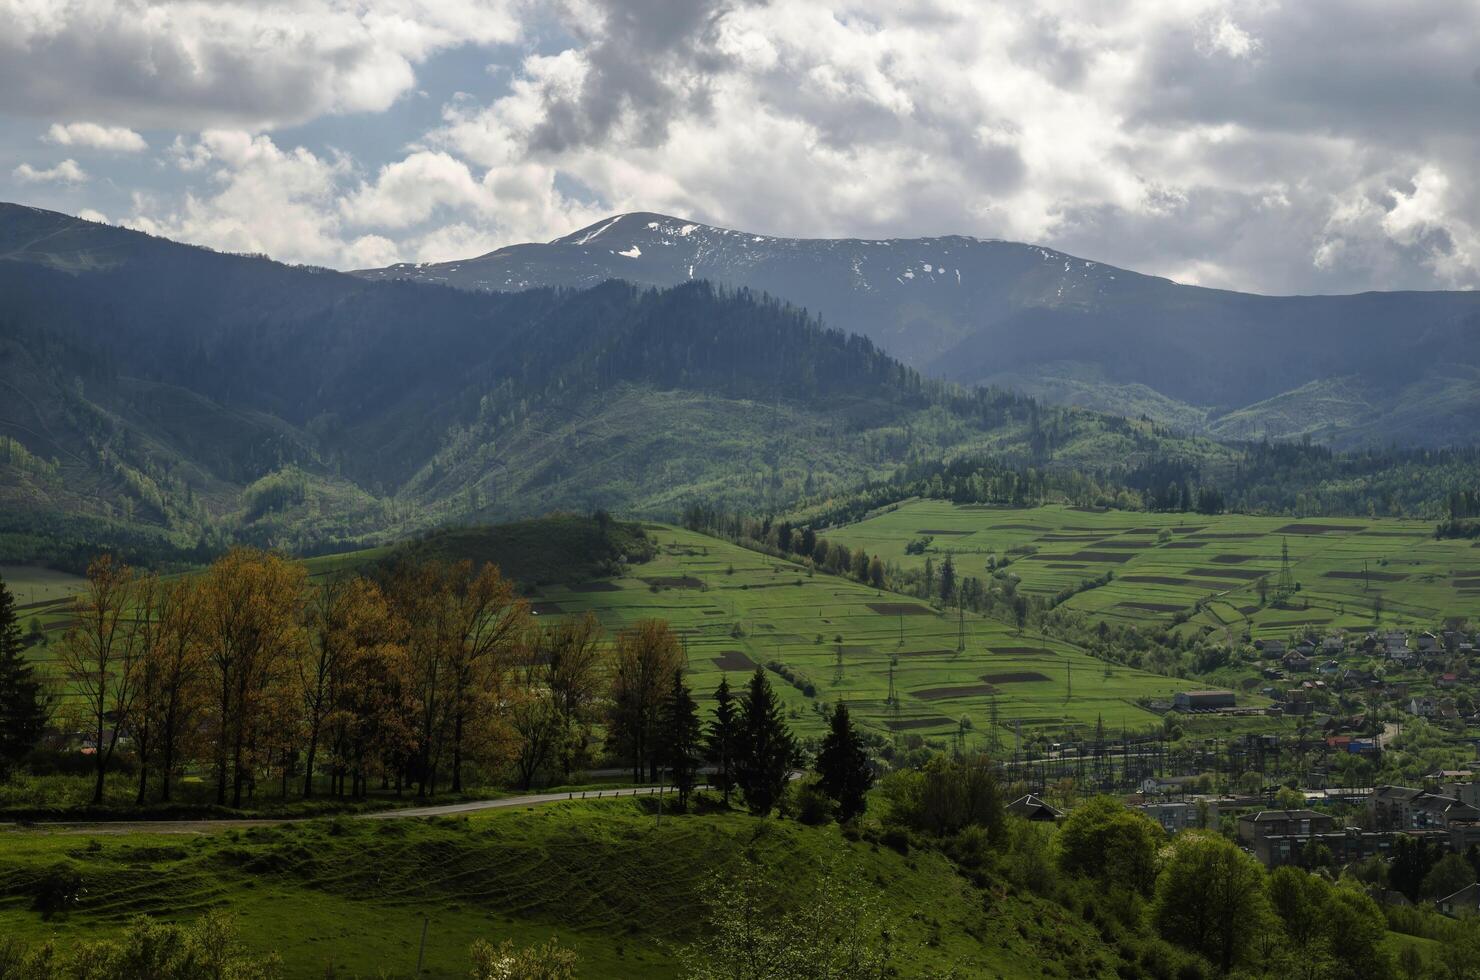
737	609
1353	573
350	897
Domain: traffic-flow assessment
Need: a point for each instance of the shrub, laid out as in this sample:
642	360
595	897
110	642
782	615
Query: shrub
57	891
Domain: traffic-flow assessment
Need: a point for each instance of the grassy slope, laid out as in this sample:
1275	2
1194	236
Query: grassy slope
1421	581
601	876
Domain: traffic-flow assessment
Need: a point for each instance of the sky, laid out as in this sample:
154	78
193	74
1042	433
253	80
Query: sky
1281	147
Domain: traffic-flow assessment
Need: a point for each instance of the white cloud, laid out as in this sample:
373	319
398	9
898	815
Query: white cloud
1241	143
116	139
199	63
66	172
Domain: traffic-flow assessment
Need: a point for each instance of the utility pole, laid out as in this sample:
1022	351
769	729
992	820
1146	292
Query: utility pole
960	626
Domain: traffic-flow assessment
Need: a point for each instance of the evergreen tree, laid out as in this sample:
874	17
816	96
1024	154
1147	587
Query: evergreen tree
843	766
947	579
724	735
767	750
23	705
681	733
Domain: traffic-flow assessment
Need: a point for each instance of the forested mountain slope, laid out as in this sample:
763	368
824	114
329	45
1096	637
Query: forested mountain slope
1405	366
156	385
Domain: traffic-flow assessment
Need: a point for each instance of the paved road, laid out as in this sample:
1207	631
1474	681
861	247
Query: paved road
100	827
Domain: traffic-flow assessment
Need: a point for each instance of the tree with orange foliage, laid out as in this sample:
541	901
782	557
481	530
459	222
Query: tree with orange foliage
644	660
488	620
253	602
99	658
169	675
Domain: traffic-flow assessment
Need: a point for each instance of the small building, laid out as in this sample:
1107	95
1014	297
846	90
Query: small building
1034	809
1179	816
1271	648
1297	663
1202	700
1465	902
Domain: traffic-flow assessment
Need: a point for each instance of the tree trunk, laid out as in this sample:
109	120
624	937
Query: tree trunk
457	736
313	748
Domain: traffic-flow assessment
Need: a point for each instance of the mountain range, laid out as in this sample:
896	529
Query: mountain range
216	397
1349	371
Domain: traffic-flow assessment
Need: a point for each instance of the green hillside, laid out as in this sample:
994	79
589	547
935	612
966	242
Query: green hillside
352	895
1199	566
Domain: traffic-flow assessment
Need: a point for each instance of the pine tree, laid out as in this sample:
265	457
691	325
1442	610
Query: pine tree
947	579
724	734
681	733
843	766
23	704
767	750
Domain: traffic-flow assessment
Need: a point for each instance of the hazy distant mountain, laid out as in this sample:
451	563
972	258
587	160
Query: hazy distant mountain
150	383
1063	328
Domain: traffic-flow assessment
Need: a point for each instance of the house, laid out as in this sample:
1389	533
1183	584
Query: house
1428	643
1297	663
1402	808
1329	669
1175	817
1332	645
1271	648
1423	707
1447	680
1464	902
1032	808
1202	700
1395	642
1166	786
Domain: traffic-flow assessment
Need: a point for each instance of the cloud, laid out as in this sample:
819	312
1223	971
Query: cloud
116	139
192	64
1281	147
66	172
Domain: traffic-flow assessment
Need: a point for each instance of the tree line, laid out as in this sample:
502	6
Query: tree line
416	678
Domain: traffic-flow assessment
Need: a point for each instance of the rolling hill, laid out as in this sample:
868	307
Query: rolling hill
1062	328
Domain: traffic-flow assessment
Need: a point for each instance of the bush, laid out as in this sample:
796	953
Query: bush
807	803
57	891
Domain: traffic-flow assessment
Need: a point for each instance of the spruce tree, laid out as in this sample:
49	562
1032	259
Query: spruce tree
767	750
724	737
23	705
681	733
843	766
947	579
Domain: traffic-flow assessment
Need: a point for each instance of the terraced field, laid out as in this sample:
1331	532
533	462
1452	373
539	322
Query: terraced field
1209	567
736	609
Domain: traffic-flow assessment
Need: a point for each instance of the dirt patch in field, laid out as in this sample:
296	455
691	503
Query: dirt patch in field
1227	536
676	582
1374	576
1017	527
544	607
1128	545
1318	529
734	660
1232	559
1063	564
596	587
1184	544
1152	606
1023	651
1188	528
1142	530
1107	556
1248	610
1015	677
1468	592
1247	574
1395	534
926	653
899	609
964	691
1071	537
909	724
1158	580
937	532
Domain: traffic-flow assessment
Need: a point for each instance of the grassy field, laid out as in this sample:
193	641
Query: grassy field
32	584
627	894
736	609
1169	563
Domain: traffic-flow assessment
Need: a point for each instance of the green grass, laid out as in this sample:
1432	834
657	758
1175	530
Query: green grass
626	893
1419	581
32	584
